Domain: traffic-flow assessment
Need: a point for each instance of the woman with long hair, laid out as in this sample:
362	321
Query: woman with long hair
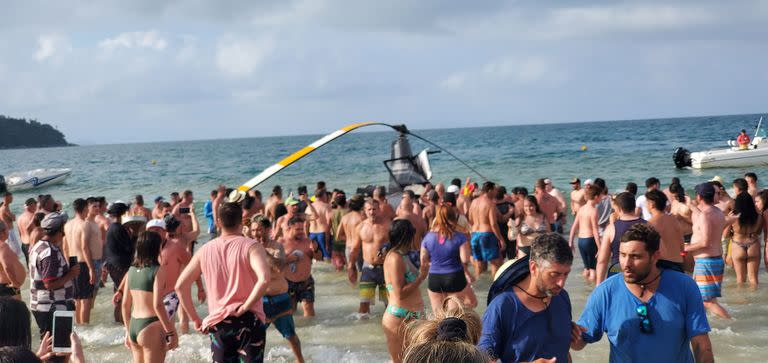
150	333
745	247
185	239
530	225
403	280
446	251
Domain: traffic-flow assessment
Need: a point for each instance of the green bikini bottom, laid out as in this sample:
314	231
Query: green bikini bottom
404	313
138	324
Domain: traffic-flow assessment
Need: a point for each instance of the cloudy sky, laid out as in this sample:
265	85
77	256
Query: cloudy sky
147	70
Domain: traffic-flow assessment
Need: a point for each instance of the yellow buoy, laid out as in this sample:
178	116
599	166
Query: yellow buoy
154	162
584	148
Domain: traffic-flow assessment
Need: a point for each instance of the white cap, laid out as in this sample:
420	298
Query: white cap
588	182
156	223
452	189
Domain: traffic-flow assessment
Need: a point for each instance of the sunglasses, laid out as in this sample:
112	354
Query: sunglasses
645	322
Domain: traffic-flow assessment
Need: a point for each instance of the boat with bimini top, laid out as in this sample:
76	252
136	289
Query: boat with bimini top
755	153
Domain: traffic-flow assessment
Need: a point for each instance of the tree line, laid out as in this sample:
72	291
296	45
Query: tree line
21	133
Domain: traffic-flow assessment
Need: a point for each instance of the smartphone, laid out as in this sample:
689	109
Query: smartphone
183	210
63	322
72	261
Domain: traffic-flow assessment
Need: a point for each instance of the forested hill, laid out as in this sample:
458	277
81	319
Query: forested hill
21	133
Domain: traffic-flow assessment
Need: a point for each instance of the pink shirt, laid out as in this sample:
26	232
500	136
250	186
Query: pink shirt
228	277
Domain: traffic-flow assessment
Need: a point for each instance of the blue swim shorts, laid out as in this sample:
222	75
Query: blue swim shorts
485	246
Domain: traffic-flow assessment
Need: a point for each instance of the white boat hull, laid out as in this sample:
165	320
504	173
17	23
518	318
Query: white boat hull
37	178
729	158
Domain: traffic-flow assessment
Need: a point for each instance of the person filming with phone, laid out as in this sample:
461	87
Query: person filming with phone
51	287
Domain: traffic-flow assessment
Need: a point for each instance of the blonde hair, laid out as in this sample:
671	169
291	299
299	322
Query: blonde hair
422	342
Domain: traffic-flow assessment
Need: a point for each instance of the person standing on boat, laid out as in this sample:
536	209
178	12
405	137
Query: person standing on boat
743	140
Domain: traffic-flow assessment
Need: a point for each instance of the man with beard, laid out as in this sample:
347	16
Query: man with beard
532	321
649	314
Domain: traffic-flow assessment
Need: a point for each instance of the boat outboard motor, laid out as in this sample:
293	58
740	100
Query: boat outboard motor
3	186
403	168
682	158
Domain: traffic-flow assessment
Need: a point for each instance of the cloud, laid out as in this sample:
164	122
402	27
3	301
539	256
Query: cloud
49	45
135	40
507	70
239	57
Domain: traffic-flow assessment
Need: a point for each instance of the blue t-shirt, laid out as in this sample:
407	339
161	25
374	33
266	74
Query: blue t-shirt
675	310
444	257
512	333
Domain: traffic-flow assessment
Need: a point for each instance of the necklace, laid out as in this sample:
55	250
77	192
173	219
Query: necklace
644	285
544	299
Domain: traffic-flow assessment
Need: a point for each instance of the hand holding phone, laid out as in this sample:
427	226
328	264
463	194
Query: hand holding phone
184	210
63	322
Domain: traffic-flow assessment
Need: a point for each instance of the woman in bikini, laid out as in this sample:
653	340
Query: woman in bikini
747	225
403	280
149	333
530	225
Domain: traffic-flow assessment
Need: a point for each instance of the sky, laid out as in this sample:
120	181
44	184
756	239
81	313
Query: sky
113	71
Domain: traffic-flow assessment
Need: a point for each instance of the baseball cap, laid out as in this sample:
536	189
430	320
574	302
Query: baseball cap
291	201
156	223
54	221
705	189
575	181
452	189
117	208
449	198
588	182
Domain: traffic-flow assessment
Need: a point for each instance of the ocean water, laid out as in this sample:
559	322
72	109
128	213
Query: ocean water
619	152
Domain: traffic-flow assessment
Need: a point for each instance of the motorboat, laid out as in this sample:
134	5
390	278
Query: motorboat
34	179
735	156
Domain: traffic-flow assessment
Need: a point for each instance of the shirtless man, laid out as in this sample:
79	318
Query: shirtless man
24	225
157	212
8	217
385	210
181	211
175	199
258	205
672	242
274	200
608	252
752	187
101	219
281	225
348	232
46	204
429	212
406	211
12	272
548	204
487	242
298	257
137	209
278	309
373	234
412	204
585	223
578	197
464	200
708	224
319	215
83	241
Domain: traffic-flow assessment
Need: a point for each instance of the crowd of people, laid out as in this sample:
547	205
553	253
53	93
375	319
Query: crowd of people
668	248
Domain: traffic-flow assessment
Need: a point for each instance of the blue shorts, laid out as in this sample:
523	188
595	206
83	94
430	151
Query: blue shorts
276	305
485	246
319	238
588	250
